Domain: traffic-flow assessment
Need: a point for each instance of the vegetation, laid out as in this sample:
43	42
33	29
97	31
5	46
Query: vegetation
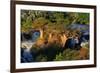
51	20
53	27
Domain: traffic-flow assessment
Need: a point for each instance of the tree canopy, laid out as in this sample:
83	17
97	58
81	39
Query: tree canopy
51	19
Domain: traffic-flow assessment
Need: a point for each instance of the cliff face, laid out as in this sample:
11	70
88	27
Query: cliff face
42	46
41	38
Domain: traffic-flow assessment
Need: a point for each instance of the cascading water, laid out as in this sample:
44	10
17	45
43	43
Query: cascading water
26	45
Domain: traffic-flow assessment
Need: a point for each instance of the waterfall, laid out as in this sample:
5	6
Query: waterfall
27	44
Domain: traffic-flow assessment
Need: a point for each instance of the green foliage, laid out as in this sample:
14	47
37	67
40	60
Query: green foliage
59	57
41	58
40	23
51	20
68	54
83	18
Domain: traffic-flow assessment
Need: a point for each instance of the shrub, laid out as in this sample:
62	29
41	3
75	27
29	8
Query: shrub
67	54
41	58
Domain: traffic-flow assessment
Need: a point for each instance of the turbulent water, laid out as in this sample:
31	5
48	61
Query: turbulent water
26	45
